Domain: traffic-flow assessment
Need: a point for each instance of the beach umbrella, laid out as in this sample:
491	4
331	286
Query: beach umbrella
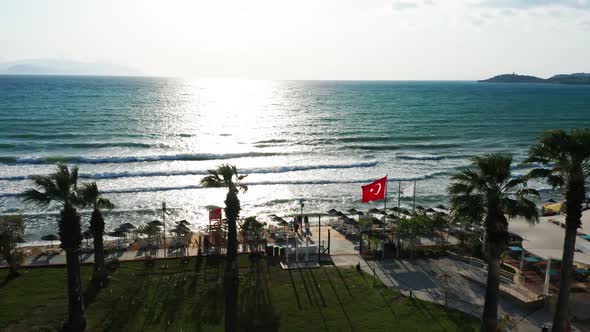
340	214
406	212
382	212
118	233
181	230
430	210
156	223
353	210
359	213
550	201
395	209
183	222
127	226
350	221
87	235
376	221
374	210
442	207
392	216
419	207
50	237
332	211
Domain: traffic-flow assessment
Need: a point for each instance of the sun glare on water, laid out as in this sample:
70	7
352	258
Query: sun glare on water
225	115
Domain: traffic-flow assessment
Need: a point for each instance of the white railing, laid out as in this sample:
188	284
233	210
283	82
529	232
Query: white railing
477	270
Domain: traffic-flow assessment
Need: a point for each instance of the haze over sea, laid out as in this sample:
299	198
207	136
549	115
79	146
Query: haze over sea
150	140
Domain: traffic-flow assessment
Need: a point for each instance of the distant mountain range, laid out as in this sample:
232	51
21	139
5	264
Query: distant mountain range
64	67
577	78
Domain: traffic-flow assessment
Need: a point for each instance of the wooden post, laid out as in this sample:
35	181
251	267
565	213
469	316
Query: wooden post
547	277
319	237
329	242
521	265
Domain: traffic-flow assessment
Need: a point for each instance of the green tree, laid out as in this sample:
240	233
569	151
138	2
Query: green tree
565	161
227	176
252	230
12	229
486	191
61	187
90	196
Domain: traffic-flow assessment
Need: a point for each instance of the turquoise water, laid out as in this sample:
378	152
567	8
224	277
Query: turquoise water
149	140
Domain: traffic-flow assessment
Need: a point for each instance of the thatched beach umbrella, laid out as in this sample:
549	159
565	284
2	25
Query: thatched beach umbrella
442	207
87	235
395	209
183	222
118	233
430	210
332	211
376	221
50	237
339	214
181	230
420	207
406	212
156	223
126	226
374	210
352	211
350	221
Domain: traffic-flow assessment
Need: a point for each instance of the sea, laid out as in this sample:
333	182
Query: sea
146	141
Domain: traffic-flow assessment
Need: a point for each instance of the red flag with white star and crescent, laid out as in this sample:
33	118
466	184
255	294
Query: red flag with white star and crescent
374	191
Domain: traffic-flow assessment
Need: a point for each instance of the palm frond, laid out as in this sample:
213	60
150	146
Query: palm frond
36	197
104	203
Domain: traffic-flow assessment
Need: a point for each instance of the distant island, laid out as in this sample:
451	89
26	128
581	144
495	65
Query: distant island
64	67
577	78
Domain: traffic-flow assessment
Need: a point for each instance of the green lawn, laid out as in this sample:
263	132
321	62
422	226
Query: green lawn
189	297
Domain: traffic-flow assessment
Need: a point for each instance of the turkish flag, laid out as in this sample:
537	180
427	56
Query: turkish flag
215	214
374	191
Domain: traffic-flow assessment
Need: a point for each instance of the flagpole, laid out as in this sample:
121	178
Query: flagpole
399	195
385	196
384	210
414	207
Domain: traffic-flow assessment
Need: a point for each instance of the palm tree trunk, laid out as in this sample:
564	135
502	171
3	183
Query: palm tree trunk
574	197
100	272
97	226
231	276
12	265
69	229
489	322
76	320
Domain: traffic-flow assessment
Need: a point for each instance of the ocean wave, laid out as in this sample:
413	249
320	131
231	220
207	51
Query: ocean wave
271	182
272	141
389	147
130	159
262	170
430	157
96	145
282	182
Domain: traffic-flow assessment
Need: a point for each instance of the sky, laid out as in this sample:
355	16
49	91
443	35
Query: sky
306	39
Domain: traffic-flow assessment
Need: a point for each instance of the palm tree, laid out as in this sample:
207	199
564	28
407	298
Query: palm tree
486	190
566	161
227	176
91	196
61	187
